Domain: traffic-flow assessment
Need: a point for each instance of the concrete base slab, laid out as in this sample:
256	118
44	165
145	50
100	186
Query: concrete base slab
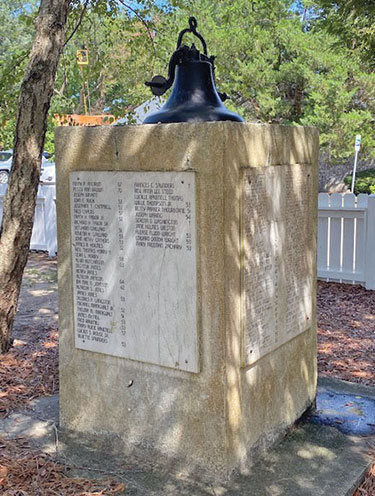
312	460
38	423
348	407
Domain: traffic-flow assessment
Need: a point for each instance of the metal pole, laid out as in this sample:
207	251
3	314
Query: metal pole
357	147
83	90
354	170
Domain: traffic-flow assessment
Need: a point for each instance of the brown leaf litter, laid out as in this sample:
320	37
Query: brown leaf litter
29	370
346	332
367	488
25	471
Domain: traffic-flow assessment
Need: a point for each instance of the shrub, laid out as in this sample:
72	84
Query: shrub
364	181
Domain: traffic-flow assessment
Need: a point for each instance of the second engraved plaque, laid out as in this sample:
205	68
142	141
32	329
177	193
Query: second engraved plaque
277	258
134	265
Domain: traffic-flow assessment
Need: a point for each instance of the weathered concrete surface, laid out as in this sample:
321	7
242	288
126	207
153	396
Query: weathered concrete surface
228	412
38	423
348	407
311	461
337	386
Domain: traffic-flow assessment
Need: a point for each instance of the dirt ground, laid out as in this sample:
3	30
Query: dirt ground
30	369
346	350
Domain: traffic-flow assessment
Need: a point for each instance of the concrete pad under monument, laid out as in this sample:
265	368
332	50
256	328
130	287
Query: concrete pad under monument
187	285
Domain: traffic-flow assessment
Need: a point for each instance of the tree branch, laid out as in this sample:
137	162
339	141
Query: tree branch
143	22
84	8
18	62
139	17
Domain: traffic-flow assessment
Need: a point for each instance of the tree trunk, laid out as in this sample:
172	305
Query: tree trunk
19	205
298	98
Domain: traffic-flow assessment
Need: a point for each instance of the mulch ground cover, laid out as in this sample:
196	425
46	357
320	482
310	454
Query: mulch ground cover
29	370
367	488
346	332
25	471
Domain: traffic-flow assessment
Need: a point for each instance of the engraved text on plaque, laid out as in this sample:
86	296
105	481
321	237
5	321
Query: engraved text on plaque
278	256
134	267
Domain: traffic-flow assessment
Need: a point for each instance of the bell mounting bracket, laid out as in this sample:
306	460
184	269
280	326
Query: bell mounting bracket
159	85
192	29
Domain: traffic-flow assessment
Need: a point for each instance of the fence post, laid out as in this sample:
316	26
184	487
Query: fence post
49	191
370	244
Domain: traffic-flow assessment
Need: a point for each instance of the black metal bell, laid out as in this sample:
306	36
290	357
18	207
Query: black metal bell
194	97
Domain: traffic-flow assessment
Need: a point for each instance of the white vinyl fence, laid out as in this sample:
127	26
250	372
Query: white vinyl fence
44	236
346	238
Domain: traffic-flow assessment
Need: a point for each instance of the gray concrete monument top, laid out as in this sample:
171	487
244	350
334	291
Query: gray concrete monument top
255	145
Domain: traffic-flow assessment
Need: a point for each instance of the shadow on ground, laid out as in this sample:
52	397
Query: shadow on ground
312	460
37	304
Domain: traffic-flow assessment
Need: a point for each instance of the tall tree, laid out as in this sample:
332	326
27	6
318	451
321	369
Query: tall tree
354	22
120	60
34	102
282	65
19	205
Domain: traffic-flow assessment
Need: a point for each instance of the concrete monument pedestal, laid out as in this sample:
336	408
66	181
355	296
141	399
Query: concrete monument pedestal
187	285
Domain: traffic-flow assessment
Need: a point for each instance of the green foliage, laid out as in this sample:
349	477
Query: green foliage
280	61
281	69
16	30
119	63
364	181
353	21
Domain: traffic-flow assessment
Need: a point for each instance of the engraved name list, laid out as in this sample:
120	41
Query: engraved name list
134	268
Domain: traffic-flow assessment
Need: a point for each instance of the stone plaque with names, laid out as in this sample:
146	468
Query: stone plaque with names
134	265
277	257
